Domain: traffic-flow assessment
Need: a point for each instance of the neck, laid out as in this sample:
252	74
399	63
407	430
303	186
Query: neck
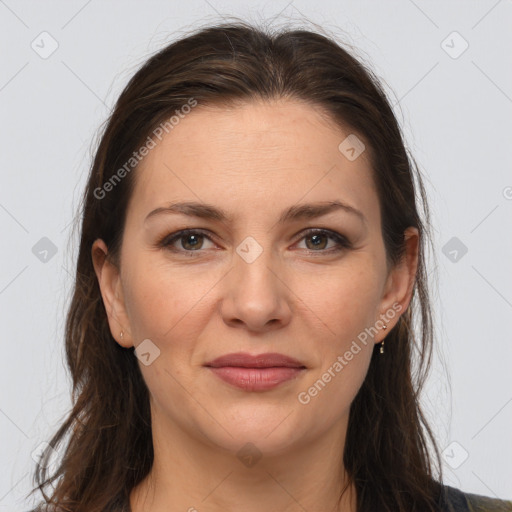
193	475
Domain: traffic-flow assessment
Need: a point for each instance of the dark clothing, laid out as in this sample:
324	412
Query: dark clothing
459	501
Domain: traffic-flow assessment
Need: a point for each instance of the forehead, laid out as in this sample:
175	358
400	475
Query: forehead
251	159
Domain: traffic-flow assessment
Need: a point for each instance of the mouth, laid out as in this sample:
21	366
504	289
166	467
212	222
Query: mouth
256	373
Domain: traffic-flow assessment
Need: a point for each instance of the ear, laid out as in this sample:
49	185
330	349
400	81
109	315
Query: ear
399	286
112	293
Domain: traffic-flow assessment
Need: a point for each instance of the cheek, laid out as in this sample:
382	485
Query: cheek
331	391
164	305
344	307
161	300
344	300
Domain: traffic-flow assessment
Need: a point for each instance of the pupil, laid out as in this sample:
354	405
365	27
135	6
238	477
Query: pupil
194	242
316	240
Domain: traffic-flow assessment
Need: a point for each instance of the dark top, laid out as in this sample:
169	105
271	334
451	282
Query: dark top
459	501
454	500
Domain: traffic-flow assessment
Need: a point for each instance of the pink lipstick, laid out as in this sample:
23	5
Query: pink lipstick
256	373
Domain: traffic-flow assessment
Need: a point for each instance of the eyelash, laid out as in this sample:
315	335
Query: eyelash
343	242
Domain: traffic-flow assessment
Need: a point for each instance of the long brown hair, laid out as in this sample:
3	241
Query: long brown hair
390	452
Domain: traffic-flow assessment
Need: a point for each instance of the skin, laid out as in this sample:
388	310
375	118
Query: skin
296	298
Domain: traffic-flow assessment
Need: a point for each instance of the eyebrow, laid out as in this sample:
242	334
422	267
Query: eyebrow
296	212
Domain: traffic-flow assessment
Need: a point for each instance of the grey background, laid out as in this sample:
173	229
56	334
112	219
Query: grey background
456	114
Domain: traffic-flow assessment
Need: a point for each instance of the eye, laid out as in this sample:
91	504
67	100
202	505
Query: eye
317	245
192	240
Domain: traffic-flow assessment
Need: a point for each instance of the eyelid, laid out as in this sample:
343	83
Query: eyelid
169	239
342	241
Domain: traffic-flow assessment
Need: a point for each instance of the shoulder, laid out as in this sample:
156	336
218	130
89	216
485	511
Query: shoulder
455	500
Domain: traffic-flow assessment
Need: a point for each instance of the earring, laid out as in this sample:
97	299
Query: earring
121	334
382	342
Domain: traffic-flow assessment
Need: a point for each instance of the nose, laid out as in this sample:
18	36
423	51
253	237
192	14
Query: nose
256	295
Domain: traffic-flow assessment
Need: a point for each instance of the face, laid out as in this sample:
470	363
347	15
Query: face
270	276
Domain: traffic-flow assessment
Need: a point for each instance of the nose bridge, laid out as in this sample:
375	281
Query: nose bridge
253	265
256	294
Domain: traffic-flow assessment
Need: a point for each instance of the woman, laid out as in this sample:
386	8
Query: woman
252	261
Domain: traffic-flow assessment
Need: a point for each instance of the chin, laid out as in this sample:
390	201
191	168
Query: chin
255	443
269	430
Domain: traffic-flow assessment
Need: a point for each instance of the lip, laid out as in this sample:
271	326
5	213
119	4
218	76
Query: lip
260	372
245	360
